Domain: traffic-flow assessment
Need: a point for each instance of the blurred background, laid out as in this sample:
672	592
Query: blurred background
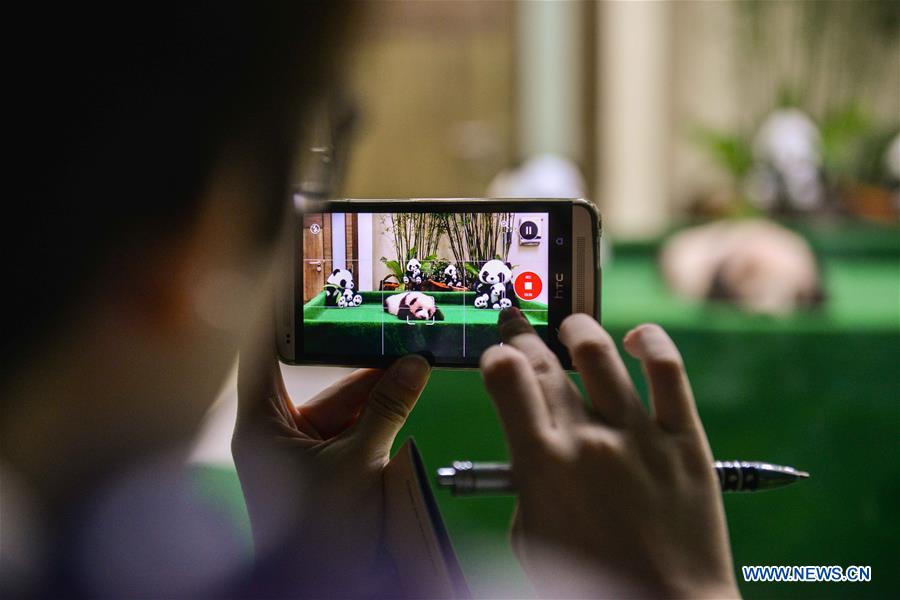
746	160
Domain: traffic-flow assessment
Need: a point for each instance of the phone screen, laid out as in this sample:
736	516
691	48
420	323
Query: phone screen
372	286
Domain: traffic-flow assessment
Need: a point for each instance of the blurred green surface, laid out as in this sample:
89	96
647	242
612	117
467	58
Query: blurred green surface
367	329
819	391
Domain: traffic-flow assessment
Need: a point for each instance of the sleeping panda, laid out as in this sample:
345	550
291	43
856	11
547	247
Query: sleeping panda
413	305
339	290
494	288
413	276
451	276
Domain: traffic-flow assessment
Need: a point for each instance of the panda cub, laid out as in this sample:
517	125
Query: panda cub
408	306
451	277
413	277
494	288
339	290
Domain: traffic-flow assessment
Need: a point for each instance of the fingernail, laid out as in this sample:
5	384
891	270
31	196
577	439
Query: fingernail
643	339
508	314
411	372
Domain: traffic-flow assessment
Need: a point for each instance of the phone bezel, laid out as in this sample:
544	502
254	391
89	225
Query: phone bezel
560	229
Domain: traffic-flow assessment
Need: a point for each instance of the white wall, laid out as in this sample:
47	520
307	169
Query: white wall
551	49
338	241
633	80
365	276
382	245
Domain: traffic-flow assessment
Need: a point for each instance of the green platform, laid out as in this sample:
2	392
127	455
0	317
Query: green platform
369	330
820	391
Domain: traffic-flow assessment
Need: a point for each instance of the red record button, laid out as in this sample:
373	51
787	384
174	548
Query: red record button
528	285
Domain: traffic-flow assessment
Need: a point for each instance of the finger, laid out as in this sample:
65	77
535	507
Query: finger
603	373
390	403
670	391
335	408
562	397
514	388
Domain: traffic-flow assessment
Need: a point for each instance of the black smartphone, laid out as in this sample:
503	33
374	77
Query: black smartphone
372	280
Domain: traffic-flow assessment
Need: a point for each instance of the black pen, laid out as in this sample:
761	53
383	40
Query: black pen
466	478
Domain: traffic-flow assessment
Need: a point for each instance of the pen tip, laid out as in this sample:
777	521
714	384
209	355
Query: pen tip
445	476
802	474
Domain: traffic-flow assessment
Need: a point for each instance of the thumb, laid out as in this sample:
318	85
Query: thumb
260	385
390	403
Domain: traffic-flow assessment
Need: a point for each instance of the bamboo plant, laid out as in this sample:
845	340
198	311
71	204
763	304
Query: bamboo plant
476	238
415	235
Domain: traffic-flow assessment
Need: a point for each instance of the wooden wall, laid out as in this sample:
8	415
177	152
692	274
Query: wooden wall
434	84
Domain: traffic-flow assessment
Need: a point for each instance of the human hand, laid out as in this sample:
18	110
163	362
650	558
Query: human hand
611	501
312	475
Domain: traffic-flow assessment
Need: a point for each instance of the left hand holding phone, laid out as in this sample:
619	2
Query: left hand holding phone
312	475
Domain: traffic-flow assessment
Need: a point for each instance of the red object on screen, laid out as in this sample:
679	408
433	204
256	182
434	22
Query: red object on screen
528	285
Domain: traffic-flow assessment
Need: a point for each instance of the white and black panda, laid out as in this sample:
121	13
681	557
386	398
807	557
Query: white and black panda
413	277
494	288
451	276
339	290
349	299
413	305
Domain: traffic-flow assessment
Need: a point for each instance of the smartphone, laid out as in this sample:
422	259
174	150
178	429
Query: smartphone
372	280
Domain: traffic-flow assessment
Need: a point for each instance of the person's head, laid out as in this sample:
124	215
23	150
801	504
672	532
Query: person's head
153	150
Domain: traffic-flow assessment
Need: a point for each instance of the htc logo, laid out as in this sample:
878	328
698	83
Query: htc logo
559	286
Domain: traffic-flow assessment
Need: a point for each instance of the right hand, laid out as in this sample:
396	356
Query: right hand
611	501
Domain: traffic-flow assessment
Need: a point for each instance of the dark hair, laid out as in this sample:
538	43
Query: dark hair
121	113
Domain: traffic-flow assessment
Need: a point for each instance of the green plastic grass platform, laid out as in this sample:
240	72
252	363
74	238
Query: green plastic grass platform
369	330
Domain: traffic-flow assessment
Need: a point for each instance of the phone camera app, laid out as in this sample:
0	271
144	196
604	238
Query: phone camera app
388	284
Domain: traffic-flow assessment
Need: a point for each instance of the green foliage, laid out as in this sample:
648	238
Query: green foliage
393	266
398	269
395	269
836	61
437	266
730	151
428	263
842	133
853	146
